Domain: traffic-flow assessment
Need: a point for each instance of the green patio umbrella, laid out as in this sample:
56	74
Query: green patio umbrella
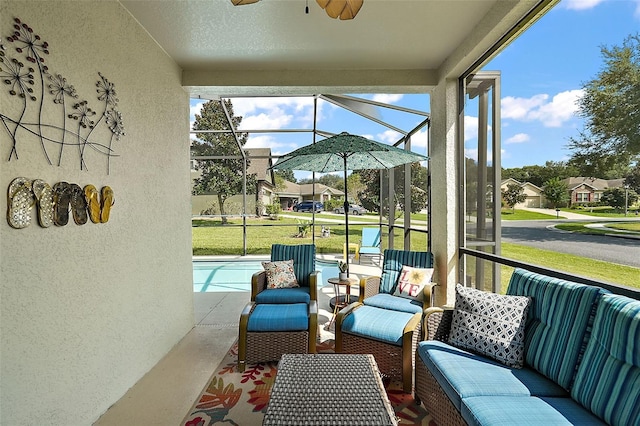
345	152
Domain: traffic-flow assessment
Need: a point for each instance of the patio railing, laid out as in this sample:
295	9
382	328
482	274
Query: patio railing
631	292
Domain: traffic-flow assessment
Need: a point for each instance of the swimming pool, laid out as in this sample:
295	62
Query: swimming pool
235	275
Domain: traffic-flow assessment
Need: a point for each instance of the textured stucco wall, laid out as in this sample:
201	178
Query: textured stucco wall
86	311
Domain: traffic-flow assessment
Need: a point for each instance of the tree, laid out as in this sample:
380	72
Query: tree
633	178
556	193
220	177
616	197
370	196
610	106
513	195
286	175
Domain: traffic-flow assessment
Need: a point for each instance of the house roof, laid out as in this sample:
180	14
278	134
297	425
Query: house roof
294	189
595	183
274	48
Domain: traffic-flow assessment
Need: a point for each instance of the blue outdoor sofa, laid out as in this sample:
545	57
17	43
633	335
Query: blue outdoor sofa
581	352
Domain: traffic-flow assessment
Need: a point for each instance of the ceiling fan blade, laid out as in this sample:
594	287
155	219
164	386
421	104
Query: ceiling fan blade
343	9
241	2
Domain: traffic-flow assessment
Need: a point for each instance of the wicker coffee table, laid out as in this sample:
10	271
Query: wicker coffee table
328	389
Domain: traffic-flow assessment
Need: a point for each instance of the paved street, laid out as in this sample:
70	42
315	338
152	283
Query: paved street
537	233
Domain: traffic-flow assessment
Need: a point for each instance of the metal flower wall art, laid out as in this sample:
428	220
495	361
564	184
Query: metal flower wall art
55	204
35	90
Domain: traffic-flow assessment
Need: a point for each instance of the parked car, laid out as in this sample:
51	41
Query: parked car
353	209
307	206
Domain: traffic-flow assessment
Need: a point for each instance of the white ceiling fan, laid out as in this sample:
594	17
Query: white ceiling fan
341	9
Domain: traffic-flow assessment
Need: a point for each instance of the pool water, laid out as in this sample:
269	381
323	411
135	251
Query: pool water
235	275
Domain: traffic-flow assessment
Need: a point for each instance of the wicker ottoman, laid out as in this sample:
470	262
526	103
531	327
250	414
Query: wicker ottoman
267	331
391	338
329	389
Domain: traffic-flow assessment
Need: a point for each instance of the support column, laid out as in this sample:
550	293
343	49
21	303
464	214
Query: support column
444	188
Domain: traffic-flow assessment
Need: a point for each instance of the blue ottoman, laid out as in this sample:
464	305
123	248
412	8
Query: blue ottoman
267	331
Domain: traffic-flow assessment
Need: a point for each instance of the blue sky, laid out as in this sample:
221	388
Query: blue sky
542	75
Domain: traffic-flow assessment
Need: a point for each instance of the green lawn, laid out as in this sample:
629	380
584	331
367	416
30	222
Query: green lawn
211	238
631	226
596	269
580	227
508	214
602	211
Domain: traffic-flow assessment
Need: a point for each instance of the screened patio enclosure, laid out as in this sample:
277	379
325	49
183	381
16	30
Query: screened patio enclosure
246	207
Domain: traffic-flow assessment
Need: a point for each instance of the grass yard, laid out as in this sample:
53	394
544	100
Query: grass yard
579	227
596	269
508	214
210	237
602	211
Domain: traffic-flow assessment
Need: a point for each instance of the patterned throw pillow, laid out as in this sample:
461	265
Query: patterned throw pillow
490	324
280	274
411	281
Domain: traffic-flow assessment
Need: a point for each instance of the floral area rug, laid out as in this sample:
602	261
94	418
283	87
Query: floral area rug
241	399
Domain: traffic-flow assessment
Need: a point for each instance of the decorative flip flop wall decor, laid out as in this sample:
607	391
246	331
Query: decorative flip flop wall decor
28	79
54	203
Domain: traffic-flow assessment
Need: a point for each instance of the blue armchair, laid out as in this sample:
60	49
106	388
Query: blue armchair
304	267
282	320
383	324
370	243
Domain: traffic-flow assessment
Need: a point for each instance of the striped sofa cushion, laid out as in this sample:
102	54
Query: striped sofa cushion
608	379
393	262
304	259
558	319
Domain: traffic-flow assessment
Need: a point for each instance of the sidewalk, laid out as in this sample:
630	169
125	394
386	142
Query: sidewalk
562	214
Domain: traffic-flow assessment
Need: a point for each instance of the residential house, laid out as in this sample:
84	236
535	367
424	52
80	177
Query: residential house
293	193
583	190
534	195
260	163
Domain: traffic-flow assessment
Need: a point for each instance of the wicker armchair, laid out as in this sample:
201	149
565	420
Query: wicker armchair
387	326
304	267
283	320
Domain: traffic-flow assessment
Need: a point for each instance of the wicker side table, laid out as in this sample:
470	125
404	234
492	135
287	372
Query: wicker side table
329	389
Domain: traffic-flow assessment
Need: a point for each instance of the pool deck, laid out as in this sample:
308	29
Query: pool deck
165	394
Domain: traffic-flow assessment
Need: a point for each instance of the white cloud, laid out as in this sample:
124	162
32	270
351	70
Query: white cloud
274	119
554	113
518	138
636	14
581	4
471	153
419	141
267	141
519	108
387	98
195	109
470	127
389	136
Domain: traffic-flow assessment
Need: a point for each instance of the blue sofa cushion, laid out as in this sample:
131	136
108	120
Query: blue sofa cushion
304	259
392	265
394	303
608	379
284	295
559	316
289	317
378	324
523	410
462	374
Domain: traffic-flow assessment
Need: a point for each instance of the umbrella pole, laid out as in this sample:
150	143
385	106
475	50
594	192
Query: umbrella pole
346	213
